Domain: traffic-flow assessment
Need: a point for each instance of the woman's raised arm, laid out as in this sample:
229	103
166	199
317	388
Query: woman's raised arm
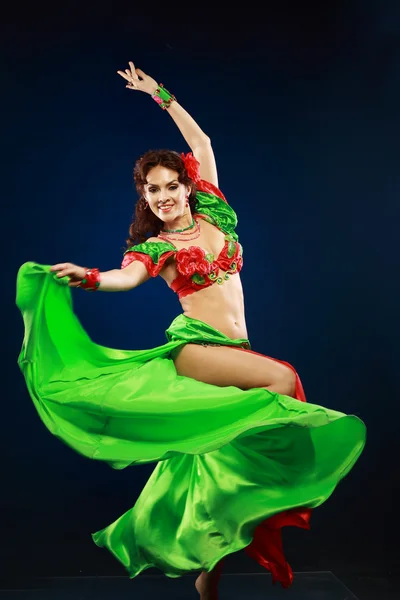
197	140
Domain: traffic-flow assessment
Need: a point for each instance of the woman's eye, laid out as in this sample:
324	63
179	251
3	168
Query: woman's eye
171	187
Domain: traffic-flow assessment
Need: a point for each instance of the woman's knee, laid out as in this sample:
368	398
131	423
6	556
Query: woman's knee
285	382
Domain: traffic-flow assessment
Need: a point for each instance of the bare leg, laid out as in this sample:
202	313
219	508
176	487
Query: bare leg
207	583
224	366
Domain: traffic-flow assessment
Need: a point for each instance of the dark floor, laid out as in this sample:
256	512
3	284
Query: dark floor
367	587
320	585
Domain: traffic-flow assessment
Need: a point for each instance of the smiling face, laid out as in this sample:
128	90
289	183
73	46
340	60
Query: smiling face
167	197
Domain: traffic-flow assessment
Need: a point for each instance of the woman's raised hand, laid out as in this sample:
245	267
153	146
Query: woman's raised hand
75	273
138	80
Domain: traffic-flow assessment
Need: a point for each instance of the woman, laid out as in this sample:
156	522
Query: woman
240	454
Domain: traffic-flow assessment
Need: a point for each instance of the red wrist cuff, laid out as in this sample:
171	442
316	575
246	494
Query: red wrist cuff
91	281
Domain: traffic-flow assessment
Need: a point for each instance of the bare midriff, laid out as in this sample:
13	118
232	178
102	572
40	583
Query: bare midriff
221	306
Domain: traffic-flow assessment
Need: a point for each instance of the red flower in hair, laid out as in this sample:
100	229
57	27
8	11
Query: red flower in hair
192	166
192	260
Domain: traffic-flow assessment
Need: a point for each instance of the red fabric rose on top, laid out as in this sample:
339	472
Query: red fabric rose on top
192	260
192	166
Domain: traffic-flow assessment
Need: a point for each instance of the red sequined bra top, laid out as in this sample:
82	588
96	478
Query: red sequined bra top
196	269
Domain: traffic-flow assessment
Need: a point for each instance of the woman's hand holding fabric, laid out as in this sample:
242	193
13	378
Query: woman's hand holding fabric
74	272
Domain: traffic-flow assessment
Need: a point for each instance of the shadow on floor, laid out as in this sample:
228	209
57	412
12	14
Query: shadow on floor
322	585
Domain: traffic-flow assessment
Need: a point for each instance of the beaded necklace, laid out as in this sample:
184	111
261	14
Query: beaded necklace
191	235
178	230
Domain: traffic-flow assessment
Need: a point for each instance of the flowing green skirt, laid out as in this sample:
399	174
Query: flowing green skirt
233	466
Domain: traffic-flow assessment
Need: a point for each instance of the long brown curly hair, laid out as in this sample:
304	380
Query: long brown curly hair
145	223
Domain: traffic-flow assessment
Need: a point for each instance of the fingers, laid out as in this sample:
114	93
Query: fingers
132	83
125	76
132	80
69	270
141	73
133	72
131	76
60	266
64	269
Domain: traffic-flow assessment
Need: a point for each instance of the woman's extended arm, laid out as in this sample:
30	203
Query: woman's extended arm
116	280
197	140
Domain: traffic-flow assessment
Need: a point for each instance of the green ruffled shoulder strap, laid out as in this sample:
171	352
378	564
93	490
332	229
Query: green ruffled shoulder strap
153	249
218	212
152	254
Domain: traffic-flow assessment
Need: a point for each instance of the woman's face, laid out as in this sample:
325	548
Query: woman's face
166	196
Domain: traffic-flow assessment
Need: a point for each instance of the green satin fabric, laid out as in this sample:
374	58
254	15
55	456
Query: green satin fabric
227	458
187	330
154	249
218	212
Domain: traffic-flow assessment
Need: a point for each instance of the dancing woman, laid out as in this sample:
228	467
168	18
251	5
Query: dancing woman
239	452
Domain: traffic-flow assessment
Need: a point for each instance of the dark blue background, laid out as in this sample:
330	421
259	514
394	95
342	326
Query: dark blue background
302	106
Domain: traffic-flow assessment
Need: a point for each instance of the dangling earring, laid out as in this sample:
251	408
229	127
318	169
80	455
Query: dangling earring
187	200
146	204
